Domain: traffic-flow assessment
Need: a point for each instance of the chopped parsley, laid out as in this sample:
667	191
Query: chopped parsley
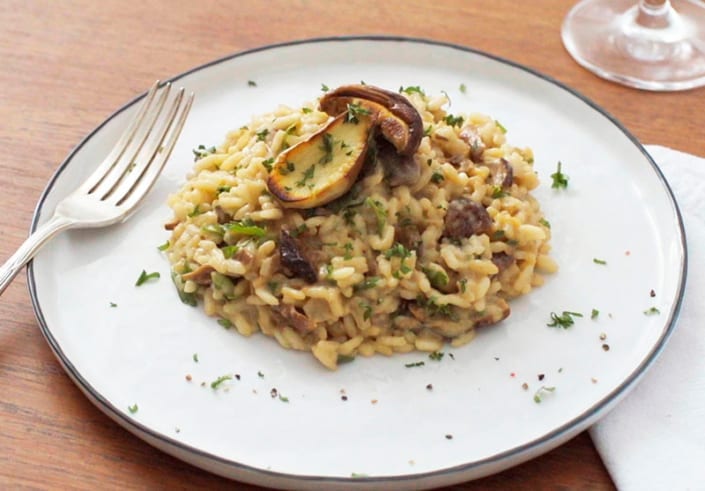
594	314
463	285
354	110
538	395
327	148
411	90
437	177
307	175
498	192
598	261
247	227
226	323
113	304
345	359
217	382
144	277
652	311
260	374
261	135
196	211
299	230
214	228
368	283
229	251
380	213
283	398
288	168
223	189
463	89
133	409
268	164
565	320
500	126
366	310
436	355
560	180
195	357
454	120
415	364
324	88
163	247
201	151
437	277
306	110
545	222
251	83
397	250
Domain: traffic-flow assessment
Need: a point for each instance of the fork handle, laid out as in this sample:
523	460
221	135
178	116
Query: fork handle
29	248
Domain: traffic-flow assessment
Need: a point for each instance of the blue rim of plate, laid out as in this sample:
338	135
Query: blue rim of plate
282	478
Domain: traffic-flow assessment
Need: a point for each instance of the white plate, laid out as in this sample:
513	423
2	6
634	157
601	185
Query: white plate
617	208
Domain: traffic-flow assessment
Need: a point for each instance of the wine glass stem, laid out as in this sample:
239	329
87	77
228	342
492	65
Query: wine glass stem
654	14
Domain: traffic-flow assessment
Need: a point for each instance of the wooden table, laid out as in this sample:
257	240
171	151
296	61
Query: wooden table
67	65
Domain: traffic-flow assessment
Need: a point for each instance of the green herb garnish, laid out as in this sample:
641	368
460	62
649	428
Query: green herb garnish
355	110
380	213
133	409
164	246
436	355
545	222
144	277
415	364
652	311
368	283
246	227
201	151
500	126
324	88
195	357
251	83
268	163
454	120
327	148
437	177
412	89
308	174
216	383
565	320
594	314
113	304
226	323
560	180
538	395
229	251
463	88
261	135
598	261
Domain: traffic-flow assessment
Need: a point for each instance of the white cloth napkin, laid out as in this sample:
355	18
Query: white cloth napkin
655	438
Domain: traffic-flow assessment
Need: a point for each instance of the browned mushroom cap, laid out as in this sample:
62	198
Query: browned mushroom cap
398	120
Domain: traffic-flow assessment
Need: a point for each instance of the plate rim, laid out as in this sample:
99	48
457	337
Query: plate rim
555	436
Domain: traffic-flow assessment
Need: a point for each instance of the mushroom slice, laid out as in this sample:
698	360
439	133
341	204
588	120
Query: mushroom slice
323	167
399	121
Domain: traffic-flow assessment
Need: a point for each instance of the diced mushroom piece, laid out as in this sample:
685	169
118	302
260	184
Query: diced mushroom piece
293	259
400	170
323	167
470	135
200	275
298	320
494	314
466	218
502	174
171	225
399	123
502	260
222	216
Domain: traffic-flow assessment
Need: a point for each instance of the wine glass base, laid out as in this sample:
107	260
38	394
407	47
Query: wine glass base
604	37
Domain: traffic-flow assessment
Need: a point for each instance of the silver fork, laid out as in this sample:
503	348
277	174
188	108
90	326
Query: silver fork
120	183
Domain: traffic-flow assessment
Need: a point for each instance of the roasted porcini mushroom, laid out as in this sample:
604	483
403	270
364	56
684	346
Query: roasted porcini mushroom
399	125
325	166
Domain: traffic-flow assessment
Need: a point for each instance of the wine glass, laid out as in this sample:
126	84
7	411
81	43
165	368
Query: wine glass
649	44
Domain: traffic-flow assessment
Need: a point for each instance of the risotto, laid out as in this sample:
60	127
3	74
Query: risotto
368	221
